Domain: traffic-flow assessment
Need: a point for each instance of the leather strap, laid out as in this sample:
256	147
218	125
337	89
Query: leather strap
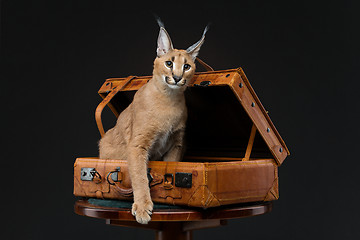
106	100
124	192
205	65
250	143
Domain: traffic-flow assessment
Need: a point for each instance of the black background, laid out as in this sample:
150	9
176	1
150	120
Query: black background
300	56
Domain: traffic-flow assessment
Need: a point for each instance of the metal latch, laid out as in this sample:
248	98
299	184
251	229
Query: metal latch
183	180
88	174
169	178
168	181
114	175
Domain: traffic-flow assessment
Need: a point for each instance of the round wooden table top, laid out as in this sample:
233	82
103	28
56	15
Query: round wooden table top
82	207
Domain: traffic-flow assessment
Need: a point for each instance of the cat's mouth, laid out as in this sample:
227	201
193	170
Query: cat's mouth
172	83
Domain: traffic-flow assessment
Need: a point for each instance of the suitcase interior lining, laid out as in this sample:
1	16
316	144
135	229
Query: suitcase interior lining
217	125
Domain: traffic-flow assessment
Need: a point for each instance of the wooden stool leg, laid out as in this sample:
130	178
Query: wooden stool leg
173	231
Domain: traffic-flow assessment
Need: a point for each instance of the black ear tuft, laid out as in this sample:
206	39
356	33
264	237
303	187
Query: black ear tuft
160	23
164	44
193	50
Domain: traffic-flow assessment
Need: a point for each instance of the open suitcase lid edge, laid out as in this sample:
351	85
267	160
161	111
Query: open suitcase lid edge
259	115
240	85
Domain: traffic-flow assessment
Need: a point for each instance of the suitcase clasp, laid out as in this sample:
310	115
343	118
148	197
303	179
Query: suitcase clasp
115	176
88	174
168	181
183	180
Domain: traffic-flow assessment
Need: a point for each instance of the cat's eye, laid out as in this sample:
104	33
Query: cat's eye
169	64
187	67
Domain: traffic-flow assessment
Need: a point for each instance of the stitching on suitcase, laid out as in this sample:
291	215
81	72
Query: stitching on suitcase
84	160
194	192
270	191
185	164
263	162
276	178
276	194
205	181
209	198
231	199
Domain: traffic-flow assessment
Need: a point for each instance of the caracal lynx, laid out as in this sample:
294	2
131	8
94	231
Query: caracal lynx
152	127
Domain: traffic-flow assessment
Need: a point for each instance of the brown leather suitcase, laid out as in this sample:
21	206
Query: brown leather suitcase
233	148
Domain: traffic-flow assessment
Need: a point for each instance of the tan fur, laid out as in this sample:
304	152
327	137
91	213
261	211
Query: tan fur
152	126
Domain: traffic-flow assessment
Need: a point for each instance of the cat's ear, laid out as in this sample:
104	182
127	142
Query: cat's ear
194	49
164	44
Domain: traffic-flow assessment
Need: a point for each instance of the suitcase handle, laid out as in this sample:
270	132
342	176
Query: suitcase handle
106	100
128	192
124	192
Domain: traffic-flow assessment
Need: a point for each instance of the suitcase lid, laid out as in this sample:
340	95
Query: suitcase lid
223	111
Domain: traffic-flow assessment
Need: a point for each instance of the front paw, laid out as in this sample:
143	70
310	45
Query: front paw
142	211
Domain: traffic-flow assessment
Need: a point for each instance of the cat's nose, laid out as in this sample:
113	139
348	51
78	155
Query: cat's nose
177	78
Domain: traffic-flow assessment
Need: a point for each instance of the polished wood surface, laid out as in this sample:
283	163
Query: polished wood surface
82	207
175	224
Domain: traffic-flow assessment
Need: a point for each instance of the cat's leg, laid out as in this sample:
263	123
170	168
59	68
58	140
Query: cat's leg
176	151
137	162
